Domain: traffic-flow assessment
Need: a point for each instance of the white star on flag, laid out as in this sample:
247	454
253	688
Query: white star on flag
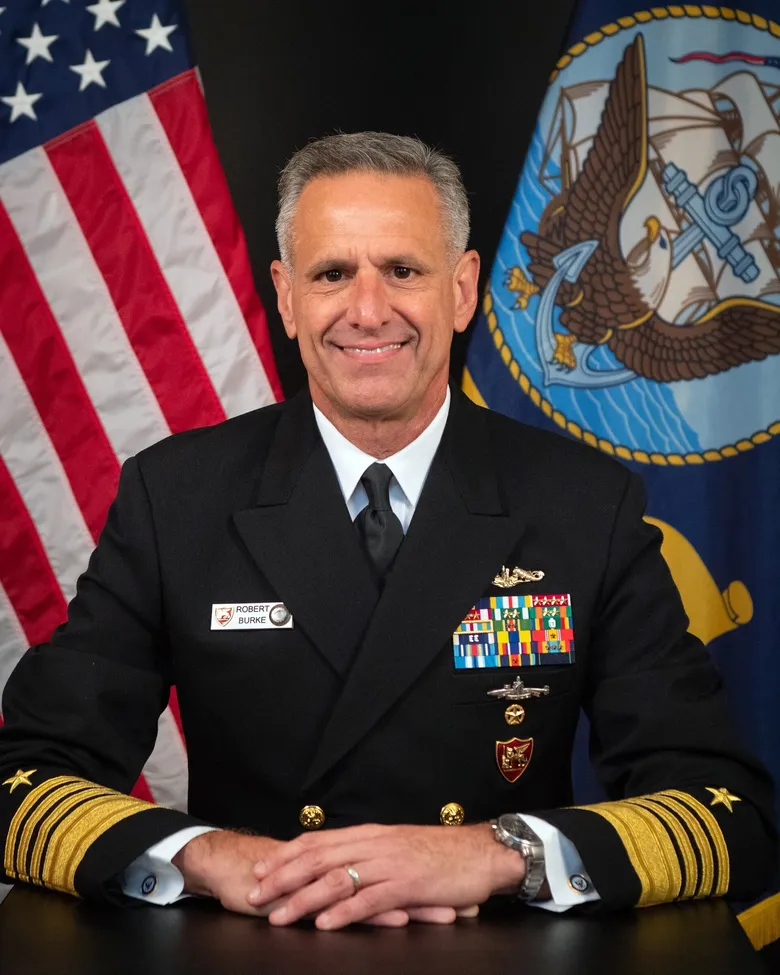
91	71
45	2
38	44
21	103
156	35
104	12
2	11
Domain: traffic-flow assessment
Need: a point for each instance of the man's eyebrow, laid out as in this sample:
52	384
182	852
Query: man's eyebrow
330	264
406	260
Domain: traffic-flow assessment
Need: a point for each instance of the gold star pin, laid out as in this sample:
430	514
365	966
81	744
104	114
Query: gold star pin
21	778
724	797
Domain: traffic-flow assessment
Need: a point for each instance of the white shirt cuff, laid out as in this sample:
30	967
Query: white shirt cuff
570	884
152	877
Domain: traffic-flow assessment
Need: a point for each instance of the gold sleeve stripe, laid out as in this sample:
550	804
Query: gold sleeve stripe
715	833
683	840
23	810
70	792
64	808
70	847
703	845
55	825
648	847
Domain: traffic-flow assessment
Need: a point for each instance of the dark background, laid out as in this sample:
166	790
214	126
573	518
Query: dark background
467	78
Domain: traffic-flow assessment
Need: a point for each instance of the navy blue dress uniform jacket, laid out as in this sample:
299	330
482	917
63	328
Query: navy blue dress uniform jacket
358	709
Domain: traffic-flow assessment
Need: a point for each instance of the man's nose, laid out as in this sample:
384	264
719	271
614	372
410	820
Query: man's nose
368	306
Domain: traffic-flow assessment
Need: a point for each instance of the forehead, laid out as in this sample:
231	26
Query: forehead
356	208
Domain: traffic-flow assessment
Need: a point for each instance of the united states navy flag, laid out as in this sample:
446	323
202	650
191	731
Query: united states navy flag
634	303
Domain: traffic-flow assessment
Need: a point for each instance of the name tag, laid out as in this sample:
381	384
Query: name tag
250	616
516	631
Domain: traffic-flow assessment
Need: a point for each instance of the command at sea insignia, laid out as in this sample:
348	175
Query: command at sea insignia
21	778
514	714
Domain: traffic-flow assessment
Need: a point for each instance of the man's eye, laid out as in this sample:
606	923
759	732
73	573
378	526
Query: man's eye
333	275
402	273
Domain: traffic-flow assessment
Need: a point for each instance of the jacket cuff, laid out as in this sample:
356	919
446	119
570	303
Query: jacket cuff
77	837
651	849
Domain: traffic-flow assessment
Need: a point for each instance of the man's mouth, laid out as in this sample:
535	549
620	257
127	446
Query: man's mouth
377	350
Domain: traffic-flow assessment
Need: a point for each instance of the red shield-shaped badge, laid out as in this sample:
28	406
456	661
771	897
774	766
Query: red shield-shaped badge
513	757
223	614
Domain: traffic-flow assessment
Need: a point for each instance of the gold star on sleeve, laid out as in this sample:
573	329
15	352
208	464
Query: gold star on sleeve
21	778
724	797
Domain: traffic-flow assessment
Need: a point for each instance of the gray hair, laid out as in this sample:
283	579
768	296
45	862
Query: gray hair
373	152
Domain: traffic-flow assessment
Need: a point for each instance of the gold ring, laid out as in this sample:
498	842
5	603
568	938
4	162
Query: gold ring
354	876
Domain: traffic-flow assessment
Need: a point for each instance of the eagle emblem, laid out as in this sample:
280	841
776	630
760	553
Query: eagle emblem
627	264
635	297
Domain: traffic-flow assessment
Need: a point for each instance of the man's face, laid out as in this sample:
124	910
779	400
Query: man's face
373	296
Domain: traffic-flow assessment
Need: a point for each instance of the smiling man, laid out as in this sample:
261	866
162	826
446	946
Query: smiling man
383	608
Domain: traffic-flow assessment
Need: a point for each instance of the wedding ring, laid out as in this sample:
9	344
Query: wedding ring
354	876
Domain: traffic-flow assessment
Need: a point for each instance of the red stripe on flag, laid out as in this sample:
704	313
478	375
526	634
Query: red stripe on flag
181	108
141	790
52	379
122	252
25	571
173	704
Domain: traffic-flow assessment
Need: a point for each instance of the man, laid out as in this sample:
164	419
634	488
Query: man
383	608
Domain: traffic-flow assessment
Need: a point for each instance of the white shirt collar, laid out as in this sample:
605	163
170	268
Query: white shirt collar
410	465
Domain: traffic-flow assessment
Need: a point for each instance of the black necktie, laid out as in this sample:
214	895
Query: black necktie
378	526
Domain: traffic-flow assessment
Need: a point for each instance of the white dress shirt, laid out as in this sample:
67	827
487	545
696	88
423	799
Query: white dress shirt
152	877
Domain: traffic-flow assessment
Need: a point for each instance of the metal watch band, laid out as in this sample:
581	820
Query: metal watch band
512	830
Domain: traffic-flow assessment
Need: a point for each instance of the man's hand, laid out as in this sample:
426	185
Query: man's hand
401	868
221	864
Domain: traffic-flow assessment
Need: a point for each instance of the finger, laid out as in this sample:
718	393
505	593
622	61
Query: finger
432	915
389	919
310	842
308	867
332	887
472	911
374	900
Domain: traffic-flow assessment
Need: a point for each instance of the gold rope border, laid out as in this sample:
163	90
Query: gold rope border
663	13
626	453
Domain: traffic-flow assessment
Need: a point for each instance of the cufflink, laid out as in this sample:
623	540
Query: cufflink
579	883
149	885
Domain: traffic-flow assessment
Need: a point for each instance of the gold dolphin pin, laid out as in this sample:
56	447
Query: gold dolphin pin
507	578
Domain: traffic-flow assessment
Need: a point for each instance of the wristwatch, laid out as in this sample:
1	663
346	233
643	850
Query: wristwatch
513	831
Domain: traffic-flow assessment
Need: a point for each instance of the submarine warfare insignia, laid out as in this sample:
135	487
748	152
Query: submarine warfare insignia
519	692
508	578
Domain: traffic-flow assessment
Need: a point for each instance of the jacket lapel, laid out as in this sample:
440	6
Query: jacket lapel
302	538
458	538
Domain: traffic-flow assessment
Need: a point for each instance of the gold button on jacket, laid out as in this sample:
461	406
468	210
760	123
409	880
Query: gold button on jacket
452	814
311	817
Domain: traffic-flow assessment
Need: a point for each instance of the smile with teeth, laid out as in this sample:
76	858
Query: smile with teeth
382	348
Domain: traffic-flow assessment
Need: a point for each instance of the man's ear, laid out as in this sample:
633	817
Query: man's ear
465	282
283	284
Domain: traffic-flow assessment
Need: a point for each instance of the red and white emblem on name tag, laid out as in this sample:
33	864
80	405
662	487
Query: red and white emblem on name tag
223	614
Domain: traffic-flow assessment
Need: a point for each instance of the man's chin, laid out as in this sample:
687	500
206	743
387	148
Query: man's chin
374	400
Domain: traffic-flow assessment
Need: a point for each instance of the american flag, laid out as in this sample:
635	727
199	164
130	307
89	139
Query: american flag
127	307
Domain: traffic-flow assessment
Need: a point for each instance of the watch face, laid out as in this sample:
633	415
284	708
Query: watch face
515	824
